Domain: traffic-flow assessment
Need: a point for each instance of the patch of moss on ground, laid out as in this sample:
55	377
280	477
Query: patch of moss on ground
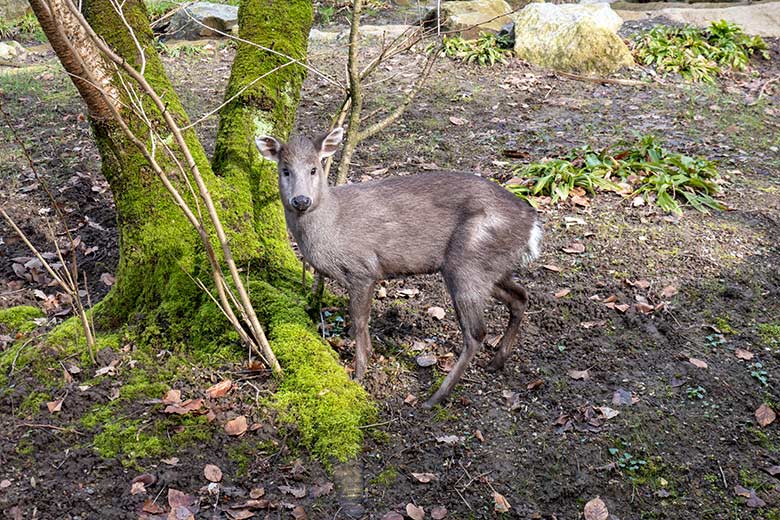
33	403
386	477
19	320
769	334
315	394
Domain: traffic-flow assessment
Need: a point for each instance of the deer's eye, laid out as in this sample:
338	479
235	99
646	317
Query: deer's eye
314	171
286	171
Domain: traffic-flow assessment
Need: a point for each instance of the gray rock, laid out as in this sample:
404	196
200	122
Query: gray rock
571	37
471	17
216	17
10	50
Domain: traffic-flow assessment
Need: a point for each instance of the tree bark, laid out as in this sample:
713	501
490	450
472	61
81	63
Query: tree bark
159	250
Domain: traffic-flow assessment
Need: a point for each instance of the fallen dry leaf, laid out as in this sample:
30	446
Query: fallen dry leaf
562	293
425	477
137	488
237	426
5	483
644	308
172	397
607	412
669	291
479	436
642	284
220	389
436	312
741	491
623	398
596	509
458	121
256	493
410	399
536	383
438	512
297	492
409	292
172	461
152	508
579	374
574	248
622	307
299	513
765	416
553	268
697	363
743	354
54	406
240	514
212	473
773	470
593	324
321	490
107	279
392	515
500	504
449	439
414	512
190	405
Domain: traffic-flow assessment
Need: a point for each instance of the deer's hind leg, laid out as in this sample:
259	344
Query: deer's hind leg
515	298
469	305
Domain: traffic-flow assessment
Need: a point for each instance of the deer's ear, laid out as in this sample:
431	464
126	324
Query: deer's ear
269	147
328	144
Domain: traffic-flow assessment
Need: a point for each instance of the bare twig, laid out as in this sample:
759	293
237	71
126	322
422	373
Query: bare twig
246	307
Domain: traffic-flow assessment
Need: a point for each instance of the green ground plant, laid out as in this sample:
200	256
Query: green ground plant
642	168
487	50
25	27
698	54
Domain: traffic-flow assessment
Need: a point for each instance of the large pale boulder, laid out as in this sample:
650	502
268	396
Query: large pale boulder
471	17
10	50
571	37
216	17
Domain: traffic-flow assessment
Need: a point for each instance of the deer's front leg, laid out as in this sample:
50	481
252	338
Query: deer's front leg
360	294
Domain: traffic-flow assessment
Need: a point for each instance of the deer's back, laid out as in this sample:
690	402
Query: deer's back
410	225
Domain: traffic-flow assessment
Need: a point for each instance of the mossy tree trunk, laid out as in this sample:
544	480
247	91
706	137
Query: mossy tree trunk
159	250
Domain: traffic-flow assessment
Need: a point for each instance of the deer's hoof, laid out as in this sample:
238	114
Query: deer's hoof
430	403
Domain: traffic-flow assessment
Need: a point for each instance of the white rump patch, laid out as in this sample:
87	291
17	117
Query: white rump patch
534	243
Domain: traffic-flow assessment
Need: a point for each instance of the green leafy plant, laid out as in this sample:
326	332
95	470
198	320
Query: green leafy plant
487	50
643	168
25	27
326	14
759	374
628	462
697	392
698	54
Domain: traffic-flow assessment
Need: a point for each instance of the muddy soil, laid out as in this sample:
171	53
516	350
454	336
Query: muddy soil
537	434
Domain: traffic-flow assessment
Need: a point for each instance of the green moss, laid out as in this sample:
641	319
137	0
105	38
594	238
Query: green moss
315	393
386	477
33	403
243	452
769	334
722	323
19	320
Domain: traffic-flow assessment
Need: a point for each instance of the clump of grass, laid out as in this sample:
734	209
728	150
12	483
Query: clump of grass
487	50
698	54
643	168
25	27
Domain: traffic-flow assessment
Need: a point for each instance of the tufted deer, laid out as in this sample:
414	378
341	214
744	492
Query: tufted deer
467	228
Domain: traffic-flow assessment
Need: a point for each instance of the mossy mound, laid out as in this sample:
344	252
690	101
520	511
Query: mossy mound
19	320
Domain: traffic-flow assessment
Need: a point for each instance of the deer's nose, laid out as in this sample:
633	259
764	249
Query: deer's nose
301	202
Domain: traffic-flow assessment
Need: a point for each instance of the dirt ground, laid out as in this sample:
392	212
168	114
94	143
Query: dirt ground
542	434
